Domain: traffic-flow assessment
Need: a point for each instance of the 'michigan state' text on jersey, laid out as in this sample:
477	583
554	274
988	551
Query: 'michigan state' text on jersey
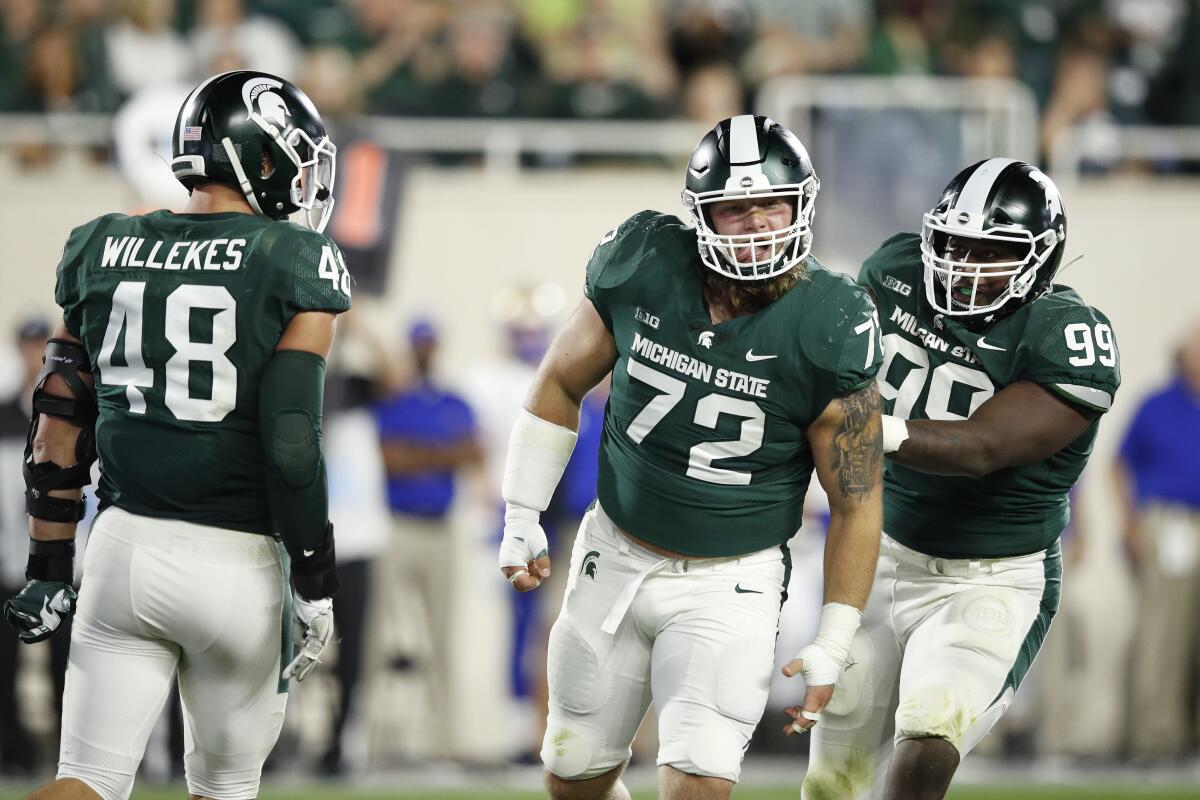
935	368
704	449
180	313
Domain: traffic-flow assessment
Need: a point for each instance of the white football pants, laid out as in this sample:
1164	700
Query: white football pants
161	598
944	643
696	636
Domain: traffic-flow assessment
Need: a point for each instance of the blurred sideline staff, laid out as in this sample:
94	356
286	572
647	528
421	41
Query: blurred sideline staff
1158	472
427	436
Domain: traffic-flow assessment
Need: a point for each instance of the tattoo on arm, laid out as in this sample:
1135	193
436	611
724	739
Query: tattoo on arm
858	445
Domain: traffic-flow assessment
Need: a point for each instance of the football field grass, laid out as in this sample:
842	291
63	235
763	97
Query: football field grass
1011	792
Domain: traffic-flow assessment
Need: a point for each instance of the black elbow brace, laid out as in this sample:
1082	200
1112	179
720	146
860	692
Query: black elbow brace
68	360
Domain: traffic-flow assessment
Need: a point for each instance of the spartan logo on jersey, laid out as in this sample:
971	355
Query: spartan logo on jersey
259	97
589	564
706	339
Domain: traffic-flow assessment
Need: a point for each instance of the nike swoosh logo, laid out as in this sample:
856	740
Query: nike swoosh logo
751	357
738	588
987	346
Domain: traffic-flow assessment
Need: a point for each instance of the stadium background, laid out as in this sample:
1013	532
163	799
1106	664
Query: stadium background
485	146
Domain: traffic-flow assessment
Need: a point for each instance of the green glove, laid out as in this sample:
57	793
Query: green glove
38	609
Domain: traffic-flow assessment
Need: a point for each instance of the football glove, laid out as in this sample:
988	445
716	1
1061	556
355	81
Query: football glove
316	618
39	609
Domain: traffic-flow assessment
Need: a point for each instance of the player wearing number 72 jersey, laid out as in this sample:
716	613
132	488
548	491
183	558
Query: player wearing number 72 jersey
739	365
994	380
190	358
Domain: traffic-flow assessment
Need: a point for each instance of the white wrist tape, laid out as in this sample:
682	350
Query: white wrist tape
826	656
895	431
524	540
538	452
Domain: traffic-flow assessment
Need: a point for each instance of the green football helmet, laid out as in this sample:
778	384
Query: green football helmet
751	156
230	121
1012	210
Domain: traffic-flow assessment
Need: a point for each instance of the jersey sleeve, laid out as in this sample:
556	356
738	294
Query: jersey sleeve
616	258
849	350
320	280
68	283
1075	355
878	272
861	353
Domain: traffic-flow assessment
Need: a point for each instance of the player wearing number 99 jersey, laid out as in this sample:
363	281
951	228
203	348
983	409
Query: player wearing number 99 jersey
739	365
190	359
994	380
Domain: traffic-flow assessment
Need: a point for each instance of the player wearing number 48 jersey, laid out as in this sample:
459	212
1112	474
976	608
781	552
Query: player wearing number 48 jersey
190	359
994	380
739	365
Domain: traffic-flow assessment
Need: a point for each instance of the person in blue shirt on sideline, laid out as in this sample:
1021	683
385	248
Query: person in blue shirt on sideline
1158	471
427	435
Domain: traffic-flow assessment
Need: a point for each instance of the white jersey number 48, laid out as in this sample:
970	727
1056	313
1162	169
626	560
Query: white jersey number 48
135	376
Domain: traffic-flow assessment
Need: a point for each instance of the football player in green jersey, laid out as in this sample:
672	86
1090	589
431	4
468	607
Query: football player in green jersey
994	381
191	360
739	365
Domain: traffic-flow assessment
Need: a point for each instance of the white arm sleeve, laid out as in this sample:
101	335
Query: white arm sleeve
538	452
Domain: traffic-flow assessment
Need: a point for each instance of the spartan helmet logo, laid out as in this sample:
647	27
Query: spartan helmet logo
706	339
259	95
589	564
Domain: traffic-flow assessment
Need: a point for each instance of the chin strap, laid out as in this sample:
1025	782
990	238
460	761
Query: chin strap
1063	268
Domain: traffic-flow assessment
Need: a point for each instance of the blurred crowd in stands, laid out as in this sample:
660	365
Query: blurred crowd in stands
1086	61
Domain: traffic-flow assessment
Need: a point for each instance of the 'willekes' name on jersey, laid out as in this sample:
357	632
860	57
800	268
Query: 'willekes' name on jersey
126	252
694	367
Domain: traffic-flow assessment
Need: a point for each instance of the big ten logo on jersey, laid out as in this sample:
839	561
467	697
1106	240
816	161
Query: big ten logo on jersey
333	269
896	285
643	316
125	252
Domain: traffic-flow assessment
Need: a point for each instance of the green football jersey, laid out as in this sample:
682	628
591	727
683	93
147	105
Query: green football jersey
934	368
179	314
704	449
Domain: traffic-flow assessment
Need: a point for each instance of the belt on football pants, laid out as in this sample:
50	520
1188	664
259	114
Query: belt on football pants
625	599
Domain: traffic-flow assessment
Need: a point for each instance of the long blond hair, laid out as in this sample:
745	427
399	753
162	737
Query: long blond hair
748	297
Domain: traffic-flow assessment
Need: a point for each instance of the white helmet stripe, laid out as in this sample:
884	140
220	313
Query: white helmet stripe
978	189
187	106
743	140
745	159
